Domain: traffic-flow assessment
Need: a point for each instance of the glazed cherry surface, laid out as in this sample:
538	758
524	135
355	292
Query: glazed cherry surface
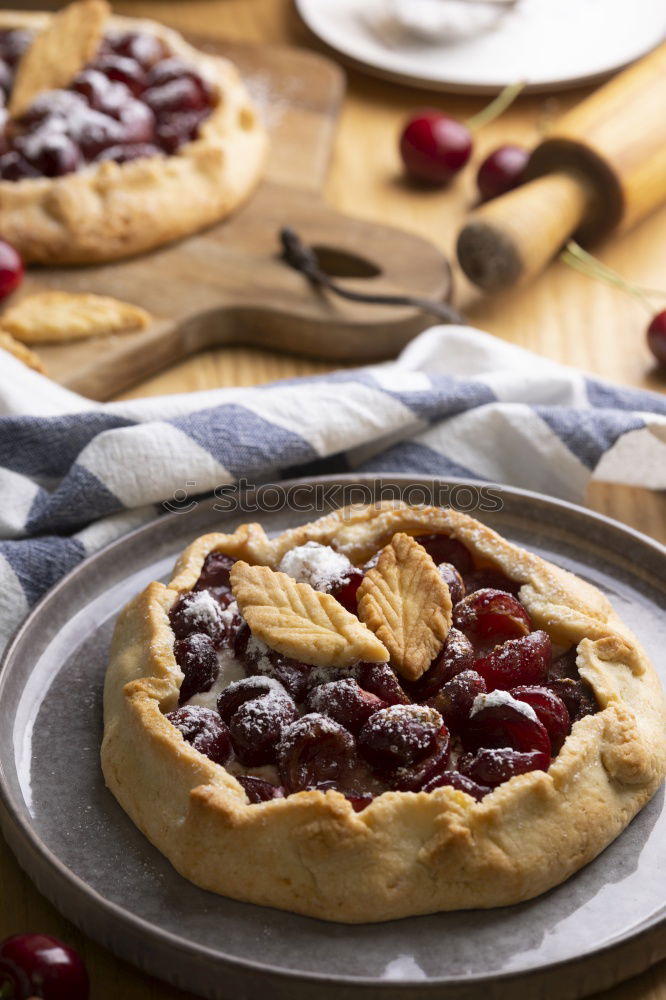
198	611
456	655
11	269
347	593
455	699
517	661
214	574
494	766
38	965
315	751
490	614
204	730
550	710
504	724
414	777
345	701
399	736
259	790
197	658
453	581
460	782
502	171
257	710
434	147
577	696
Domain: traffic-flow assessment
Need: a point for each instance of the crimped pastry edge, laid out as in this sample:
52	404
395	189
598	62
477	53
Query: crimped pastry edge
112	210
407	853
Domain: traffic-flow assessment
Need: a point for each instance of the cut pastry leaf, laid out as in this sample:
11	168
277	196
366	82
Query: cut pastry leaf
407	604
55	317
301	622
69	41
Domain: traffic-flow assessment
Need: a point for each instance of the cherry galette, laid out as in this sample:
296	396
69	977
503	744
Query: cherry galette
396	698
136	137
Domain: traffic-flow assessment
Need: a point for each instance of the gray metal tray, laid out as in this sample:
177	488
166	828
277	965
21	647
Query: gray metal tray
605	924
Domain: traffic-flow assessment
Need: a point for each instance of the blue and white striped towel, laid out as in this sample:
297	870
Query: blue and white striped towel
75	474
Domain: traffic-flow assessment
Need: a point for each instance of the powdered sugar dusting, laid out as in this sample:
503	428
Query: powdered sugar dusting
202	609
319	565
230	670
497	698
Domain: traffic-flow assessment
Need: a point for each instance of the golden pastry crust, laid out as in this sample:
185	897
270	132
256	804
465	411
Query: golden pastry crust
115	210
55	317
406	853
20	351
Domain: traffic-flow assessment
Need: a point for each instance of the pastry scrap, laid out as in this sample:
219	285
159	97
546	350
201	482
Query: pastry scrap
118	136
56	317
20	351
278	752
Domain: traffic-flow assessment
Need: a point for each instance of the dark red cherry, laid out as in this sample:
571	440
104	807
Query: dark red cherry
656	337
550	711
124	154
360	800
257	710
198	611
493	579
14	167
453	581
204	730
247	689
500	722
518	661
434	147
137	121
459	781
346	594
493	766
13	44
380	680
399	736
143	48
215	572
11	267
51	153
38	965
258	790
122	70
454	700
197	658
100	93
178	128
414	777
183	94
565	665
443	549
577	696
344	701
315	751
501	171
53	104
170	69
456	655
260	659
487	614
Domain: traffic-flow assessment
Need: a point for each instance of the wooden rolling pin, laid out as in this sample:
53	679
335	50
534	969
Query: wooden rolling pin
602	165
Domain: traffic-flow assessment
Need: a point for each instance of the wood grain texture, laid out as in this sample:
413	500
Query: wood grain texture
561	315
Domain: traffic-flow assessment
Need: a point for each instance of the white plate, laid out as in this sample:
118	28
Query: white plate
549	43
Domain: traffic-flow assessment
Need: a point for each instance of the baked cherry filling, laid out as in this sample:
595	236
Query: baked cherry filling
134	100
493	704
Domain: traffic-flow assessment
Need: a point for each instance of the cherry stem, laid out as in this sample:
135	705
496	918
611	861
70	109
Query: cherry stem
580	260
496	107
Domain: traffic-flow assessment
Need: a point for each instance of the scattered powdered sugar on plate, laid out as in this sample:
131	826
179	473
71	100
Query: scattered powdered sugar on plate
319	565
497	698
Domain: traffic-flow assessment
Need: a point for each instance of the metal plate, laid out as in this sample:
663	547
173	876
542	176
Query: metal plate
605	924
550	45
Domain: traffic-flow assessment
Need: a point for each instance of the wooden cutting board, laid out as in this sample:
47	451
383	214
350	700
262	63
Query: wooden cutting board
229	285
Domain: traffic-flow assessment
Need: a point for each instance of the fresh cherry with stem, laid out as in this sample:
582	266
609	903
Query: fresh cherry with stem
38	965
587	264
435	146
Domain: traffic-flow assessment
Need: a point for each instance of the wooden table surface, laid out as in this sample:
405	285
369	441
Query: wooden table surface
562	315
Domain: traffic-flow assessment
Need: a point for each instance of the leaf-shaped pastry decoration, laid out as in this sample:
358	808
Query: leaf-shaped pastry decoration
300	622
407	605
64	47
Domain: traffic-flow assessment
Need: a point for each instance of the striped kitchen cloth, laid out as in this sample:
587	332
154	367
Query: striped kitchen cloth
75	474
